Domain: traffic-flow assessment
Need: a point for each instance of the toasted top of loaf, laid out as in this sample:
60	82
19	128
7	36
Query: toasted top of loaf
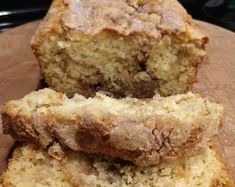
32	167
153	18
146	132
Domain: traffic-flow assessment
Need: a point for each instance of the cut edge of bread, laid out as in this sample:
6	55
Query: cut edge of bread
146	132
168	67
30	166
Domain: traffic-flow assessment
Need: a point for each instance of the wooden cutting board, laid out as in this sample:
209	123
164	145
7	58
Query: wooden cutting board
19	74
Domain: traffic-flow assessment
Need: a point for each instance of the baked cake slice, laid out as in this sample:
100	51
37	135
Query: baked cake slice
146	132
34	167
126	47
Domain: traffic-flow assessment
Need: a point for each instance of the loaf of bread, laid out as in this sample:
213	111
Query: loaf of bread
146	132
31	167
125	47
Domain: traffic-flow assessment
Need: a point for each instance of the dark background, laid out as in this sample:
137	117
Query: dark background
17	12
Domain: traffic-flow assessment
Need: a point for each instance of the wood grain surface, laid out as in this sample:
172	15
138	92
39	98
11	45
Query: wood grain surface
216	80
19	74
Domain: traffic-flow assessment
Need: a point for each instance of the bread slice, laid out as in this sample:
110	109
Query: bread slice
32	167
126	47
146	132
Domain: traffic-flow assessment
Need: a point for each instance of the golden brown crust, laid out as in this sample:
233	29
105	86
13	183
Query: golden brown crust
92	17
145	141
223	179
147	147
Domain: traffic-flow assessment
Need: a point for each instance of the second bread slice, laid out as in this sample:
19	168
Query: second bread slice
146	132
32	167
